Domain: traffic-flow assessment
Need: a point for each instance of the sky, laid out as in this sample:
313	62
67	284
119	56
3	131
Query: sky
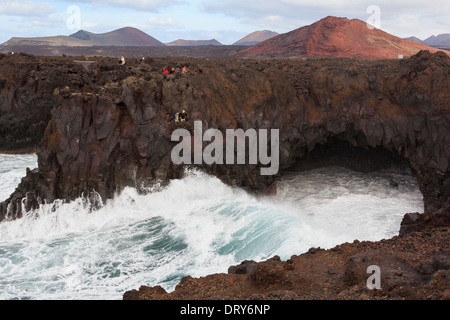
226	20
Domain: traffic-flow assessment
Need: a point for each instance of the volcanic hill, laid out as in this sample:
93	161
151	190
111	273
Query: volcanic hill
194	43
335	37
127	36
439	41
256	37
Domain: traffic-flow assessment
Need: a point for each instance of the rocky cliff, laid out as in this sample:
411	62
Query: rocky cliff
108	126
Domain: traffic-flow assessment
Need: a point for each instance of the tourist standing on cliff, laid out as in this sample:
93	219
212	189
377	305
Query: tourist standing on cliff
183	115
122	61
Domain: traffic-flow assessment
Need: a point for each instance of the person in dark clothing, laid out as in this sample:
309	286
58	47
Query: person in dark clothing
183	115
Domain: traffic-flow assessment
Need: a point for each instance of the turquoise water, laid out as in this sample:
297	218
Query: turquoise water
195	226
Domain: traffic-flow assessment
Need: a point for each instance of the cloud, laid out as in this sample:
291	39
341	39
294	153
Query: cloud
141	5
26	8
53	22
161	21
286	14
88	25
301	8
280	15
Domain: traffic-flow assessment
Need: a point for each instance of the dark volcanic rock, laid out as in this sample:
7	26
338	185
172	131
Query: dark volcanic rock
109	125
244	267
413	222
413	267
26	99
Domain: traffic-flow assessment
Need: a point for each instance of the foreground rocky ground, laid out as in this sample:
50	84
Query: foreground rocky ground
413	266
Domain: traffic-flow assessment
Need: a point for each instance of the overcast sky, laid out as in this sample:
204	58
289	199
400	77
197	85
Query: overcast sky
224	20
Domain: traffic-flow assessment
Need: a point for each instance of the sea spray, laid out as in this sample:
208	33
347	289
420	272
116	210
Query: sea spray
193	226
12	170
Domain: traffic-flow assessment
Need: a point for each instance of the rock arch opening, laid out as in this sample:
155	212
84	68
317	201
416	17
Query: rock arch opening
336	151
366	202
350	150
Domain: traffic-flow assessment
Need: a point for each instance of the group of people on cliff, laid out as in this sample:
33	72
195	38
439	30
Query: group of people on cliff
180	116
174	70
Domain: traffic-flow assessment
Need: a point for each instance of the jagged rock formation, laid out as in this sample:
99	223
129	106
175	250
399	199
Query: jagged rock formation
25	100
110	125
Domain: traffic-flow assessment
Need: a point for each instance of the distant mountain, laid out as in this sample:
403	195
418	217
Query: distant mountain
335	37
127	37
256	37
47	41
194	43
414	39
440	40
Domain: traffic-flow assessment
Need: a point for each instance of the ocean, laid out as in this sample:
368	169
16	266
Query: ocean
194	226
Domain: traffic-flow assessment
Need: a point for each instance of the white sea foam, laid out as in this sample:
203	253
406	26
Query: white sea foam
195	226
12	169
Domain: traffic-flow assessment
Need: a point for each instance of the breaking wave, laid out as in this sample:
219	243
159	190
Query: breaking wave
194	226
